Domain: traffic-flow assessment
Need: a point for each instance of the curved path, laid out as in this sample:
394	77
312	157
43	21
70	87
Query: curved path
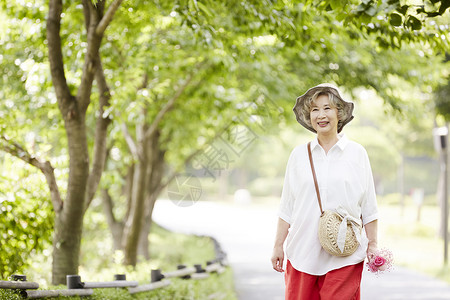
246	233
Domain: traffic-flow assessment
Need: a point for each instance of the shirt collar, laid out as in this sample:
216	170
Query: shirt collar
341	143
314	143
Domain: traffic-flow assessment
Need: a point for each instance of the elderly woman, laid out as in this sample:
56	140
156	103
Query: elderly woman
345	182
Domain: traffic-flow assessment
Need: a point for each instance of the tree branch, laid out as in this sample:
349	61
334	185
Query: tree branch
108	208
115	225
91	59
104	22
129	140
128	190
87	14
46	168
65	99
101	130
169	105
188	159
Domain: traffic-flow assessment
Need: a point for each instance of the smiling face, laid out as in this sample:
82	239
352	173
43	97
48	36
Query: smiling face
324	116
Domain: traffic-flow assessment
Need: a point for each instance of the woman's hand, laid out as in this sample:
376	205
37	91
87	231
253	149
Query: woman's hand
371	249
278	253
278	258
371	232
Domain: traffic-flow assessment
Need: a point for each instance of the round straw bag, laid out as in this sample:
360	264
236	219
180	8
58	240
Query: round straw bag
328	233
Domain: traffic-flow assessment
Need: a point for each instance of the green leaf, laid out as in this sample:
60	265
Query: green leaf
335	4
382	42
403	9
372	11
432	14
444	6
193	5
395	19
393	2
420	10
413	23
204	9
365	18
341	17
360	8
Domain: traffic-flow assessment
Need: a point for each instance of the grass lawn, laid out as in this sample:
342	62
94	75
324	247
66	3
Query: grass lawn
414	243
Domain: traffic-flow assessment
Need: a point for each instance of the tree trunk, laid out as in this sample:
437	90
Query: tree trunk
69	222
144	244
135	190
115	227
154	183
147	179
133	224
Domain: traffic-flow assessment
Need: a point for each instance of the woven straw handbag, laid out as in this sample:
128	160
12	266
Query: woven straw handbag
329	224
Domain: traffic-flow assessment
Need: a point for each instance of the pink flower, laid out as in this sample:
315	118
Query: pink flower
380	261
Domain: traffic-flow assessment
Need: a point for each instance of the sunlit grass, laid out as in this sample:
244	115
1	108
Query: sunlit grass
414	242
167	250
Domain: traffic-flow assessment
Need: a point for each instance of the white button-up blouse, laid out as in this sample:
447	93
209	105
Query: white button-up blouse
345	179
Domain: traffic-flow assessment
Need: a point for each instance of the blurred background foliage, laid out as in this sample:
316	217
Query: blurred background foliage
245	62
26	222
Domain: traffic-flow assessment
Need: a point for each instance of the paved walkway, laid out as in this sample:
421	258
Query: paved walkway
246	234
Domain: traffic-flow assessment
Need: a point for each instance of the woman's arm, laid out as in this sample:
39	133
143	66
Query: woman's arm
278	253
372	233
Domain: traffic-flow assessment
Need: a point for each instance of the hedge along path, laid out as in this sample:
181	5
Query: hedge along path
160	280
78	288
75	287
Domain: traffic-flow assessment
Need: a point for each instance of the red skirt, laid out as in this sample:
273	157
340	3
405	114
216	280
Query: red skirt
342	284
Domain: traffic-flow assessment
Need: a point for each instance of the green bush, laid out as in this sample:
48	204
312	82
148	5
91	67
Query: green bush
26	220
217	286
167	250
9	295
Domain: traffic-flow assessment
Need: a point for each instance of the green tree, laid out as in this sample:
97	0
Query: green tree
167	114
231	56
73	102
442	96
26	226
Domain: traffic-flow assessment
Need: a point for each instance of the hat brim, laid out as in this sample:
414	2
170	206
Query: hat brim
300	102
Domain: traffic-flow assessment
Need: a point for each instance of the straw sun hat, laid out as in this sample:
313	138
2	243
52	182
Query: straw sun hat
303	117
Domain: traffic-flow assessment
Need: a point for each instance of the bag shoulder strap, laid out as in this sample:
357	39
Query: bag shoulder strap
314	176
